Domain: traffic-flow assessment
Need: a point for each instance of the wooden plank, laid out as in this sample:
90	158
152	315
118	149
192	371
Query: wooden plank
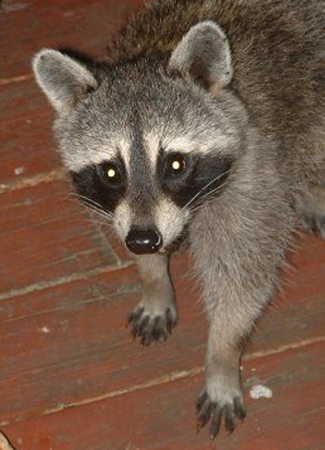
22	102
162	417
80	25
11	6
45	235
27	149
68	344
47	339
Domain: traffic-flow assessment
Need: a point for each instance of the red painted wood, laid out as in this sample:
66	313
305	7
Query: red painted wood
24	102
77	24
69	343
27	147
162	417
44	235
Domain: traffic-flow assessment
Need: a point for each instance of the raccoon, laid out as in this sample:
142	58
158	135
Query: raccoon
206	122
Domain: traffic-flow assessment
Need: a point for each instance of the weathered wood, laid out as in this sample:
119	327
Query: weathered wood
68	344
45	236
27	149
162	417
79	25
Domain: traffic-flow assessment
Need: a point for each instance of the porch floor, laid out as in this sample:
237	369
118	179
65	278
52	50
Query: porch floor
71	377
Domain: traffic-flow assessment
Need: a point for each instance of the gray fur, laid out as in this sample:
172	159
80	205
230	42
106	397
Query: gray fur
156	314
204	53
241	80
62	79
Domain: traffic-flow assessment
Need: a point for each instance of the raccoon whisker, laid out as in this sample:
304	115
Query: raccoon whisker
199	206
211	193
103	225
93	208
204	188
178	213
83	201
101	213
204	200
86	199
100	210
96	222
91	204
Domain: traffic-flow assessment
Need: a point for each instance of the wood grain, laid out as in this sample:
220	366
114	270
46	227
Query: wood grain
45	236
162	417
68	344
27	26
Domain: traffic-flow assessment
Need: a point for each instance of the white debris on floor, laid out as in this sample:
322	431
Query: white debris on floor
45	330
260	391
19	170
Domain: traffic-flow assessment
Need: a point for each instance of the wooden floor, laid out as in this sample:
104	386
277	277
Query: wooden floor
71	377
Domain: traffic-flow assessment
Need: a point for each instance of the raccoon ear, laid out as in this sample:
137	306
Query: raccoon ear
63	80
204	55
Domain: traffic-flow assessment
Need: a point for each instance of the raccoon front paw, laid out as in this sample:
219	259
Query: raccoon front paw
152	327
218	411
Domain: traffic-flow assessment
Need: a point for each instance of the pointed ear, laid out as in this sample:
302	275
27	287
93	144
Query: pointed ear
204	55
63	80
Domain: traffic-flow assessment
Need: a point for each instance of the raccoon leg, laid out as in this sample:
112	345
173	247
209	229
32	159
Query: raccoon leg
221	398
237	260
156	314
234	302
311	207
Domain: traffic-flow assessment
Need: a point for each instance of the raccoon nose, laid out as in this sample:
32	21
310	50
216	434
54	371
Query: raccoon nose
143	241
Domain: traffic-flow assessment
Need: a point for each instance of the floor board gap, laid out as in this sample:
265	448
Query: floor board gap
161	380
35	287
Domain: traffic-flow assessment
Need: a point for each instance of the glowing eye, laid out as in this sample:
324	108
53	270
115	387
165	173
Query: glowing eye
111	173
175	165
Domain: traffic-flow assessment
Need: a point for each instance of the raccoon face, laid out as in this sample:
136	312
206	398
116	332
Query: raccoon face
146	142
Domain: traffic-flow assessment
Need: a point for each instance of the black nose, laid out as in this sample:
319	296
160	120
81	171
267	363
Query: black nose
143	241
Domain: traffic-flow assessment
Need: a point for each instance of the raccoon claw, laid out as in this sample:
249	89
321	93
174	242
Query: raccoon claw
149	328
215	412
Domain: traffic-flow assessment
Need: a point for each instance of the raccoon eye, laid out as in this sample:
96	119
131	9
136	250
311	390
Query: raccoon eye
175	165
111	174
